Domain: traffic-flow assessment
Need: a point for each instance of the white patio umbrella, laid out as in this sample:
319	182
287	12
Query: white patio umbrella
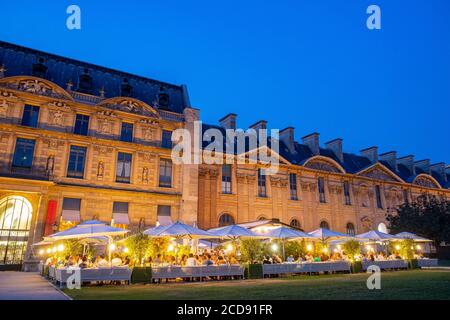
375	235
179	230
285	233
233	232
326	234
412	236
90	229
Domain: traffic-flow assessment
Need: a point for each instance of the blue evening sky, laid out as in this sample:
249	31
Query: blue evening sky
311	64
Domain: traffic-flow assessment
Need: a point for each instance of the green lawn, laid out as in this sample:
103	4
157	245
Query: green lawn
416	284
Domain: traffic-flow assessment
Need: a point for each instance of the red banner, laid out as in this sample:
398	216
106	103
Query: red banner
51	217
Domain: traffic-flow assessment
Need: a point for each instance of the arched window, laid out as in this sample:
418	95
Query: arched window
260	218
382	227
324	225
350	229
225	220
15	221
295	224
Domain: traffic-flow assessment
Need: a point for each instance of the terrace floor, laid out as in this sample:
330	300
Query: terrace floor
27	286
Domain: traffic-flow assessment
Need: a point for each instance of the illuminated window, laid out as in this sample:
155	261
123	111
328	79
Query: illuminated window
15	222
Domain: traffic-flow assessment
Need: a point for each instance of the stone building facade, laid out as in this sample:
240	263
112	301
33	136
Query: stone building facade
317	186
80	142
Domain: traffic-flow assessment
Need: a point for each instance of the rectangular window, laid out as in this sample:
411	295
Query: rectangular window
293	186
165	173
405	196
126	133
321	186
120	214
378	196
81	124
23	154
262	192
123	172
166	139
77	158
71	209
347	193
30	116
226	178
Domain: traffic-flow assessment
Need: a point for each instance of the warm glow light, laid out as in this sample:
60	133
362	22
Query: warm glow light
339	247
54	249
274	247
335	250
418	247
61	247
325	250
229	247
112	247
170	247
157	223
49	250
125	250
41	252
397	247
309	247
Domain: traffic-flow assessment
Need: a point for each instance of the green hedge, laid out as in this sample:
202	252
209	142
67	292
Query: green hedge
357	267
413	264
253	271
141	275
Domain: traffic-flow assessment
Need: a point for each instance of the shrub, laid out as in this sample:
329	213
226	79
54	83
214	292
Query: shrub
251	250
352	248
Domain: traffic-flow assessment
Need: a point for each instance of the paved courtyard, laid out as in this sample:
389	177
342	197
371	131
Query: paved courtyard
27	286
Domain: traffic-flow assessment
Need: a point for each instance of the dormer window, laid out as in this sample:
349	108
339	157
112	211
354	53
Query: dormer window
39	69
126	89
163	100
85	82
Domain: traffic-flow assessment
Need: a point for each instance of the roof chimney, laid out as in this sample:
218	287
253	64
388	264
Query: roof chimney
312	141
370	153
408	162
229	121
424	165
439	168
447	169
391	158
336	146
287	136
261	124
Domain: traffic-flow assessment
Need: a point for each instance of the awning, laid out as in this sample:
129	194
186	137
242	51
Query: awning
121	218
164	220
71	215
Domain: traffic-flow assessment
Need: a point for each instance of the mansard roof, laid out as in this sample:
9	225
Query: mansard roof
352	163
19	61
